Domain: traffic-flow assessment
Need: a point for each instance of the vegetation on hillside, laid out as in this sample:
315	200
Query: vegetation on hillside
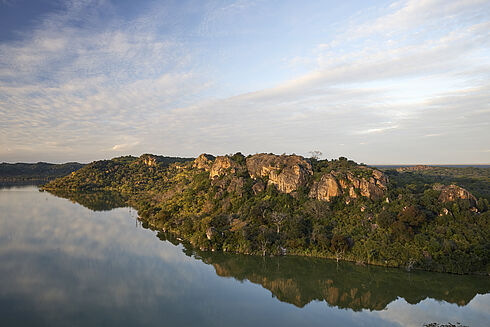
474	179
408	227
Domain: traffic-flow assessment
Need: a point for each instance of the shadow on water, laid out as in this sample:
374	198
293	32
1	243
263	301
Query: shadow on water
301	280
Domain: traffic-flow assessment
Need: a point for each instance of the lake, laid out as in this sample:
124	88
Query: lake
84	262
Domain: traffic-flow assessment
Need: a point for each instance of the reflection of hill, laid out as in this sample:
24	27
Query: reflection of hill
299	280
96	201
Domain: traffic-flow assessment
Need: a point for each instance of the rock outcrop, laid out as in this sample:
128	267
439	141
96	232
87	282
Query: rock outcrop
371	188
413	168
221	166
148	160
204	161
326	188
211	232
286	173
338	183
236	185
454	192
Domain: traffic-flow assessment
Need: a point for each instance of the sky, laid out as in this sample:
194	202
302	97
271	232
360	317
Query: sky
379	82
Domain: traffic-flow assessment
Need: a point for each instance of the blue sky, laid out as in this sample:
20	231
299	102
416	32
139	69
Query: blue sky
376	81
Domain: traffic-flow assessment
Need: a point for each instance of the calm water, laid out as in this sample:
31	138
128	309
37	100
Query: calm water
64	264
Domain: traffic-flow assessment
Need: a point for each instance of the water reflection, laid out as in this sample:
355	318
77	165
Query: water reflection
65	265
96	201
300	280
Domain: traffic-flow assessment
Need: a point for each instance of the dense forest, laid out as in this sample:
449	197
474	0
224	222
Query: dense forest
267	204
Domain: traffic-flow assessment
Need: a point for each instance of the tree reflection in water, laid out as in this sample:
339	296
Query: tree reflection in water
301	280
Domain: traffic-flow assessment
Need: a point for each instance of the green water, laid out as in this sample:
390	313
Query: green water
66	264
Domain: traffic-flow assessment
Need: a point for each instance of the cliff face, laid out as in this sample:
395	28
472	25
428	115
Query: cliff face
221	166
453	192
286	173
326	188
204	161
289	172
337	183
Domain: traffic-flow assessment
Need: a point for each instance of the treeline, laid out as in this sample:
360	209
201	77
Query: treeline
18	172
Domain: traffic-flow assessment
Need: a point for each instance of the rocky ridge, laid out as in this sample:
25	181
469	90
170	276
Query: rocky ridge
290	172
450	193
337	183
222	165
286	173
204	161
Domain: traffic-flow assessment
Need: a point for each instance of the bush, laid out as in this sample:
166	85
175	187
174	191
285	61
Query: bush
385	219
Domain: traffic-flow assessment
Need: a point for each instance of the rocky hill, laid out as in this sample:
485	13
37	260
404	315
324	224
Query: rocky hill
269	204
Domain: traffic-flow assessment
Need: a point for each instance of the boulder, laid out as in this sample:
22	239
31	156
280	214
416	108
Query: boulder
221	166
211	232
444	212
204	161
147	159
352	192
370	189
356	183
326	188
378	175
285	172
342	180
454	192
337	183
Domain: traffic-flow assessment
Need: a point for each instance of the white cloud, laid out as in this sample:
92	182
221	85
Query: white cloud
125	146
102	84
378	130
413	14
430	310
124	86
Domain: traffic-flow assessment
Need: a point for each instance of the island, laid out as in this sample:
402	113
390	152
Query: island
272	205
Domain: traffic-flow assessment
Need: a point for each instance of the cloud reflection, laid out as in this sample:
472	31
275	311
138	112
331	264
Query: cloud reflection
63	264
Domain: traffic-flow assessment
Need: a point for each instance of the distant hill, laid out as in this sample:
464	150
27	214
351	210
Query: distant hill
40	171
475	179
